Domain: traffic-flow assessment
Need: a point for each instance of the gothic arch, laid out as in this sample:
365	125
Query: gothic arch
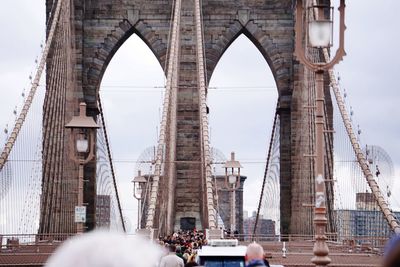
278	55
98	59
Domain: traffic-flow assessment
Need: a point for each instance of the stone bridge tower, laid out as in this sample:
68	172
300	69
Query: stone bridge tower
99	28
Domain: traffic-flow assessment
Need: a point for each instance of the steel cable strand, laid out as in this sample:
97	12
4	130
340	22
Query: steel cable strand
390	218
60	158
19	167
51	139
309	160
62	219
204	125
160	147
21	118
272	194
29	199
48	110
307	185
267	165
328	169
338	190
59	134
104	128
104	182
34	211
102	170
171	26
167	163
65	215
172	130
23	169
16	185
312	135
276	162
167	107
62	153
17	163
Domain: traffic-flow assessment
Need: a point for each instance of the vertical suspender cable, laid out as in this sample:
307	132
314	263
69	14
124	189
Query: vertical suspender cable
111	163
390	218
22	116
50	106
363	163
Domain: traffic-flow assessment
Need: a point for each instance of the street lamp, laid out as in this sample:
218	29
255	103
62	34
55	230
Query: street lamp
82	141
232	183
320	32
139	183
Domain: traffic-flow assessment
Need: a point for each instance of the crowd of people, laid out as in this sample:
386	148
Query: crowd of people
105	249
184	245
182	249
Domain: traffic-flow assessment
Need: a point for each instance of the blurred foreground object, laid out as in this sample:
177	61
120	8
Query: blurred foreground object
392	252
106	249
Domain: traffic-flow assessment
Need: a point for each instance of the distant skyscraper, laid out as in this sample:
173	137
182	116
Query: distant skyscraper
245	214
103	205
366	201
265	227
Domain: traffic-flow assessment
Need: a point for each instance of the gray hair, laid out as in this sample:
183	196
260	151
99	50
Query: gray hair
105	249
255	251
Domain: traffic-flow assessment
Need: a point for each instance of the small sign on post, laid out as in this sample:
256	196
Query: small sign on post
80	214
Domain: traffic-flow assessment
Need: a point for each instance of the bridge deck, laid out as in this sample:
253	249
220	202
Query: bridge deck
298	254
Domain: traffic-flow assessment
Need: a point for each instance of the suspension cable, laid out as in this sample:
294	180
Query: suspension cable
205	137
390	218
265	171
171	73
24	112
363	163
111	162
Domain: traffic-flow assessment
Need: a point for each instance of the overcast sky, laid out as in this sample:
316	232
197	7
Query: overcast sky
240	118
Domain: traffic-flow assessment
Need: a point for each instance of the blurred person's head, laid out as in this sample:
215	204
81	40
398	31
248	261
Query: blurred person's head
105	249
392	252
172	248
254	252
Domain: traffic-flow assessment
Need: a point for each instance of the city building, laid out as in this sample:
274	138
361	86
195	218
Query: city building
103	205
265	227
365	221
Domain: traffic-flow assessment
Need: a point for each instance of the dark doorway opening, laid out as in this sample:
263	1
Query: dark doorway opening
188	223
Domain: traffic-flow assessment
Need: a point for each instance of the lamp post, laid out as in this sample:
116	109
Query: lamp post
139	183
320	32
82	142
232	183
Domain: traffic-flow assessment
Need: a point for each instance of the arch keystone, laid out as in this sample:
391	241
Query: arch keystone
243	16
133	16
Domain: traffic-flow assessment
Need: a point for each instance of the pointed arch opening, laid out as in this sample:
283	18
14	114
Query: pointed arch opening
242	98
131	91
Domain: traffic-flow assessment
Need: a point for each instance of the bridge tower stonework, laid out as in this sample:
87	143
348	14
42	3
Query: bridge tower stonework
99	28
